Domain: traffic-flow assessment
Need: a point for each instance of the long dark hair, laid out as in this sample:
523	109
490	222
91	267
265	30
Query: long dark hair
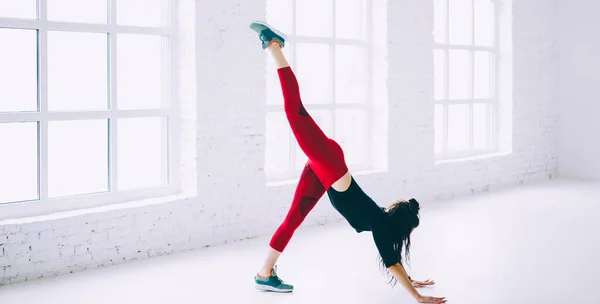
402	217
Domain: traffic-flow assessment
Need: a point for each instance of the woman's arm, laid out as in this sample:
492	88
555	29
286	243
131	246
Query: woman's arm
402	277
390	259
400	274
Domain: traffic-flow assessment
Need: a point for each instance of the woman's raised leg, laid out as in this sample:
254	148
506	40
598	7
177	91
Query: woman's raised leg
309	135
325	155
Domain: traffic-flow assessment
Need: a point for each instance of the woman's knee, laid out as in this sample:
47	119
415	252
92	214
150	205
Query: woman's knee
291	224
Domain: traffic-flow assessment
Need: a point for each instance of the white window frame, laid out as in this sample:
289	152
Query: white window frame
367	106
493	100
44	204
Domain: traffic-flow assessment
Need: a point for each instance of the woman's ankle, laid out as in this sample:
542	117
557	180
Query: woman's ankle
274	44
265	273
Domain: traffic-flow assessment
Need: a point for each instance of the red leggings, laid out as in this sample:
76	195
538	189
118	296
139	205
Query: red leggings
325	164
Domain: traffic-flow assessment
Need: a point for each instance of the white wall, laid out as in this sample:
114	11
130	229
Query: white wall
579	68
233	201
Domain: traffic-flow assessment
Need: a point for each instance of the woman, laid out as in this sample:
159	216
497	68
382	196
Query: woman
326	171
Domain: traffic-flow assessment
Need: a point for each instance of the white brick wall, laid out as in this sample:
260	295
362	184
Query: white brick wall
233	201
579	83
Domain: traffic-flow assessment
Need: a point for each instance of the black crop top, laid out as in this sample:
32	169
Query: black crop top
363	214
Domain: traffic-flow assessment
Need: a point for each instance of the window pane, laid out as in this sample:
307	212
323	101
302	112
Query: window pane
19	162
461	22
274	93
484	23
88	11
482	74
77	157
313	72
458	128
18	72
324	121
459	69
351	76
142	12
439	21
439	128
351	133
314	18
141	67
350	19
142	152
481	126
279	15
277	154
77	71
439	74
18	9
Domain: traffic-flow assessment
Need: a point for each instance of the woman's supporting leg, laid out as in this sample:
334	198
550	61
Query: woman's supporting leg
308	192
325	155
269	263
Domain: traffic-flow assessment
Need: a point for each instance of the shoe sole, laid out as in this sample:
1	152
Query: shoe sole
270	288
276	31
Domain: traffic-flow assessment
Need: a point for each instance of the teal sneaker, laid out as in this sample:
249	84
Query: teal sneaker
272	283
267	34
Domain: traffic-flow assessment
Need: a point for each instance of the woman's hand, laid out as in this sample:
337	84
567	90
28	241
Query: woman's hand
400	274
427	299
421	284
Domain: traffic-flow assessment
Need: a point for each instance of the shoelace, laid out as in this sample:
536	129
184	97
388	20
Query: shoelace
279	280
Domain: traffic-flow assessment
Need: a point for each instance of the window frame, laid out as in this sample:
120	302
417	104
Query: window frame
493	101
42	116
368	106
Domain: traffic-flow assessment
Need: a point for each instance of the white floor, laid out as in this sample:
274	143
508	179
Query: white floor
537	244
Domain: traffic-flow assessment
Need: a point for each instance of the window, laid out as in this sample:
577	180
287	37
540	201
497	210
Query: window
330	49
87	114
465	78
